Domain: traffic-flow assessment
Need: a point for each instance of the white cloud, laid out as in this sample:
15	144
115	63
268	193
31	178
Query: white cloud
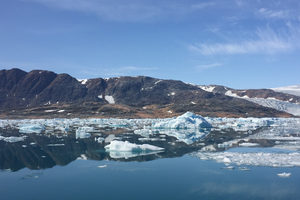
266	42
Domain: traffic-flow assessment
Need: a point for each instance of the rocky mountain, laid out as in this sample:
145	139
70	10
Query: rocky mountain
45	94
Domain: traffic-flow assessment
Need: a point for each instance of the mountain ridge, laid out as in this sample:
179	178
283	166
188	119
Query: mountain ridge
39	91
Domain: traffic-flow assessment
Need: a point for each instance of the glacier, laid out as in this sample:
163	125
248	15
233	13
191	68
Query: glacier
285	106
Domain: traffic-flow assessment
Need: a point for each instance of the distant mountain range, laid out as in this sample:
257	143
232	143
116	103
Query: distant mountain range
45	94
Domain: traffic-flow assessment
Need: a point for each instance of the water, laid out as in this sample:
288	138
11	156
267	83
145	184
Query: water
71	168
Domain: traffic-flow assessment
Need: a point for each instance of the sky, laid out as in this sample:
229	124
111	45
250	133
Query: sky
240	44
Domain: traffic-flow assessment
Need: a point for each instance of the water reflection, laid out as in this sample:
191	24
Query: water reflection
50	148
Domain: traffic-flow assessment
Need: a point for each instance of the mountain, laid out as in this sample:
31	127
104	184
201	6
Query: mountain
45	94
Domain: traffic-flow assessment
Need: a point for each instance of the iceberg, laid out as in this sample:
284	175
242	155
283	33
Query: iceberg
127	146
121	149
185	121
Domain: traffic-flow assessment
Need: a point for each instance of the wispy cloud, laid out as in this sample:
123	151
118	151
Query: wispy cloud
129	10
273	14
267	42
207	66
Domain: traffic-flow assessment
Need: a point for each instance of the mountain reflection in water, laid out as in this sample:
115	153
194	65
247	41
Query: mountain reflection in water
47	149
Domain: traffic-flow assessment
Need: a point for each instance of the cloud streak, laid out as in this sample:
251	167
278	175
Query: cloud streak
207	66
129	10
267	42
281	14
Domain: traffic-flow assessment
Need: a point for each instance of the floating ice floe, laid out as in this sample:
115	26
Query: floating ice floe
121	149
284	175
31	128
246	144
13	139
254	159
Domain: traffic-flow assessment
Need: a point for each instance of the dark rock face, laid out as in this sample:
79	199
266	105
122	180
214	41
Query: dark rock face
19	89
38	88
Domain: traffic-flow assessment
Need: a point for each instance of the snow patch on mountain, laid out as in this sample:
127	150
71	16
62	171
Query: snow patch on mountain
110	99
82	81
207	88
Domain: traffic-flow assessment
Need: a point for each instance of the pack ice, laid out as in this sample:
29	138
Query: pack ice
186	128
265	159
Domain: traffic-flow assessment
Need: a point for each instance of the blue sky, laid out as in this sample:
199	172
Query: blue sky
237	43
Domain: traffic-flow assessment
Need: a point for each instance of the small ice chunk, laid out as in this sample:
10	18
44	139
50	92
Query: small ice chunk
248	144
284	175
226	160
99	139
102	166
244	169
229	167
